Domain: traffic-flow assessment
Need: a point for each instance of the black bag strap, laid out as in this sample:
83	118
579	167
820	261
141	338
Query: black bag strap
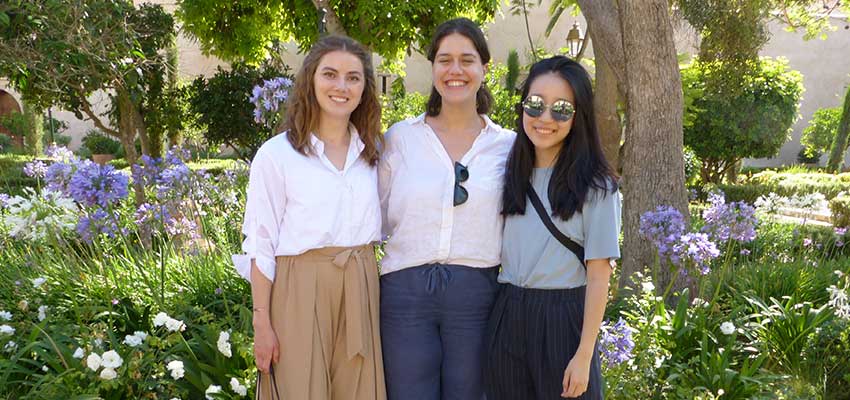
275	393
544	216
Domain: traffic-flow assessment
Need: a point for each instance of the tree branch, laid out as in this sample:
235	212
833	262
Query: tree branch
86	108
604	15
332	22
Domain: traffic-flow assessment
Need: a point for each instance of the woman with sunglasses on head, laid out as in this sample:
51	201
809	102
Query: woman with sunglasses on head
311	219
561	236
440	179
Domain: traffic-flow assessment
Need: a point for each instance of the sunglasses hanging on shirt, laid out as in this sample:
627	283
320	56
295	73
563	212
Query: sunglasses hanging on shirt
461	175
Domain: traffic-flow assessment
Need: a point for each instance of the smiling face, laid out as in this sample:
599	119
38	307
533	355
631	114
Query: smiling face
457	70
338	84
546	133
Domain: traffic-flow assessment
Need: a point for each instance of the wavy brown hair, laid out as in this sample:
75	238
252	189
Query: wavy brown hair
303	110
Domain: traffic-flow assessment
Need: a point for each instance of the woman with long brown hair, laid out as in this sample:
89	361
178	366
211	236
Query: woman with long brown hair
311	220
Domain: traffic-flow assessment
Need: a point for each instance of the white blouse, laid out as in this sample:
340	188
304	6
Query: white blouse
297	203
416	186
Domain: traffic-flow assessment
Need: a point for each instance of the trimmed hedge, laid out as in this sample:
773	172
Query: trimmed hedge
787	184
840	209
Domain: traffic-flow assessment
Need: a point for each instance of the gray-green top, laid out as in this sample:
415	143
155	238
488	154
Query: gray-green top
533	258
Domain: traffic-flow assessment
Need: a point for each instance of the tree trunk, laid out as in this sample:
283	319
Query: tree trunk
653	166
127	130
603	17
35	129
332	22
605	107
839	144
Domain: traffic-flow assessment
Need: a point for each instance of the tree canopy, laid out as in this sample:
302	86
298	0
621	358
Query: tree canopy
251	30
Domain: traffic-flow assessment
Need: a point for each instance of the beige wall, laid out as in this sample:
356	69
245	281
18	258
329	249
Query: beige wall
825	64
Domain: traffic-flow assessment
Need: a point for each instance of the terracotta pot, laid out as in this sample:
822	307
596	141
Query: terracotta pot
102	159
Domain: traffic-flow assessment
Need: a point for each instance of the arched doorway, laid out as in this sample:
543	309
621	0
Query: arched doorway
9	105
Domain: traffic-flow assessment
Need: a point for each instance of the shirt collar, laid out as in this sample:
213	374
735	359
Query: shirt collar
319	147
489	125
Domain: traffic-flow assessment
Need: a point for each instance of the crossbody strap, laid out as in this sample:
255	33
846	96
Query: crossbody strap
544	216
275	393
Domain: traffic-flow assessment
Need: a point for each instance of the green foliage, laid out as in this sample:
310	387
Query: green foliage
512	76
98	143
251	30
840	208
818	136
400	107
825	358
16	123
5	143
35	129
221	106
730	30
692	166
739	116
839	145
503	111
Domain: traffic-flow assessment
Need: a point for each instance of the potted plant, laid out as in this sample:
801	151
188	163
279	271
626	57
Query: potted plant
101	147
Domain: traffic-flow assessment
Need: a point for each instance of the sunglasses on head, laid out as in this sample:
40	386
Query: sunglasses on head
461	175
561	110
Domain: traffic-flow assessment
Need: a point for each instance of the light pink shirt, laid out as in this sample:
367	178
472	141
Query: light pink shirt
416	186
297	203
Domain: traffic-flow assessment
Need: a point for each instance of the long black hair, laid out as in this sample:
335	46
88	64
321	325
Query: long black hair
468	29
580	165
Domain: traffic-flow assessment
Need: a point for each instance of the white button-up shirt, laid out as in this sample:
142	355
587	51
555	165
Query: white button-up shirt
297	203
416	184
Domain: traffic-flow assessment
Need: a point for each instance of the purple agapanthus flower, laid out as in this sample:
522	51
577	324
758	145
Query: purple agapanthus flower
100	222
662	227
98	185
267	99
725	221
3	199
697	248
58	176
35	169
615	342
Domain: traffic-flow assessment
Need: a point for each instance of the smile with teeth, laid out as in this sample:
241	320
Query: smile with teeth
455	83
544	131
339	99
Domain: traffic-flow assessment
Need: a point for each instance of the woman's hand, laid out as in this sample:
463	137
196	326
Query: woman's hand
576	376
266	347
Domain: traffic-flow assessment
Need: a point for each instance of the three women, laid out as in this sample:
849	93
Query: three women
313	213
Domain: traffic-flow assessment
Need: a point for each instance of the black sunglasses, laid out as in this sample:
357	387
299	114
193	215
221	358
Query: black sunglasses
461	175
561	110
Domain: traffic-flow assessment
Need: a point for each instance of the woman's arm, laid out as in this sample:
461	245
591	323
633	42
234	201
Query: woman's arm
577	373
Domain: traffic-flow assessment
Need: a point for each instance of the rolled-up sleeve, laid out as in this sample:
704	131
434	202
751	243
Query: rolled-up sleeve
264	210
601	221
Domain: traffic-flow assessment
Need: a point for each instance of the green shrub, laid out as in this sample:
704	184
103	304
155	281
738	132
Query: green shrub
504	100
401	106
692	166
826	353
745	192
840	209
818	136
739	115
5	143
98	143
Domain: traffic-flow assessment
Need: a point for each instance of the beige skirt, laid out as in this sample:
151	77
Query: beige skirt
324	310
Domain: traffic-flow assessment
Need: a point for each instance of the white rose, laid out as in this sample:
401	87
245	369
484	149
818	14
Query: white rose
132	340
176	368
141	335
79	353
7	330
175	325
727	328
93	361
5	315
212	389
111	359
224	345
160	319
238	388
108	374
38	282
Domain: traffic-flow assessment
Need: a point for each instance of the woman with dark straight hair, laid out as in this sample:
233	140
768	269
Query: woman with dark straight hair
311	220
440	179
558	247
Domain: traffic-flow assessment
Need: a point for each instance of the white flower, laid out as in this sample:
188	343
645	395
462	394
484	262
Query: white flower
727	328
111	359
5	315
38	282
160	319
98	342
838	300
108	374
44	368
238	388
176	368
223	344
175	325
93	361
7	330
10	346
135	339
79	353
648	287
212	389
42	313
